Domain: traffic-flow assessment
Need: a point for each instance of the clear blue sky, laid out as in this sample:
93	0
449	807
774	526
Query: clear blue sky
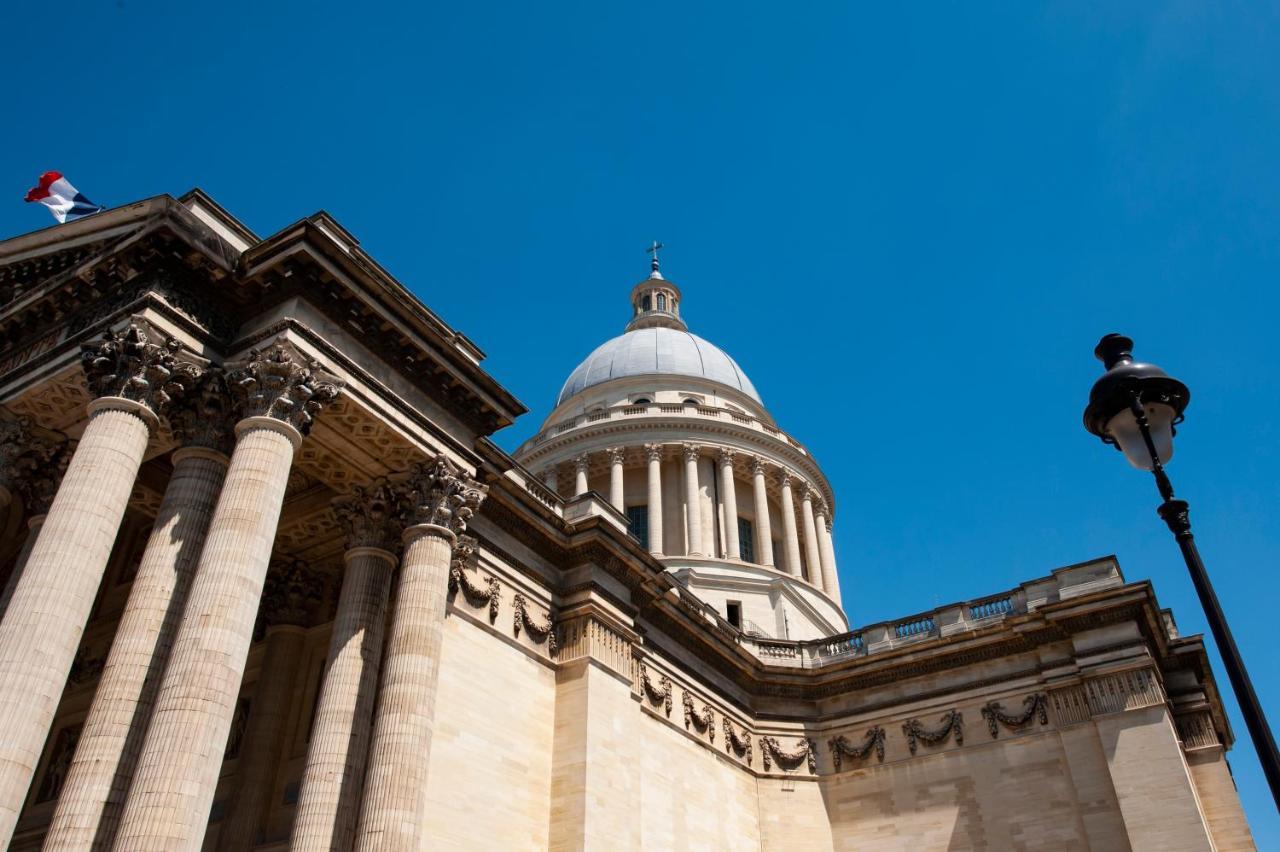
909	227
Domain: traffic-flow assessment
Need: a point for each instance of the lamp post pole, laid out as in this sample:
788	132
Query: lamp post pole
1176	515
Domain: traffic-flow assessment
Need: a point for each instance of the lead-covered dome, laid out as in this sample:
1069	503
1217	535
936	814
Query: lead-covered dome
657	351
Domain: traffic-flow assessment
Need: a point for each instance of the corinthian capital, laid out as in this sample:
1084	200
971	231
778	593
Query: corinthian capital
758	466
135	364
41	484
282	384
290	592
725	456
617	455
690	452
653	452
16	462
440	494
369	517
205	416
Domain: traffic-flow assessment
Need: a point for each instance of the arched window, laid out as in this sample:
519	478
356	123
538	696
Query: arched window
692	401
646	303
662	301
641	401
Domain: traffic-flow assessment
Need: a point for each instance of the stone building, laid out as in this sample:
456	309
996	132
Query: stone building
271	585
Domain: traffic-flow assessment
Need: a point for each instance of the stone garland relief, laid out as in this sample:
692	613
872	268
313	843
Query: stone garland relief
951	722
741	745
464	554
771	750
1033	706
661	693
539	631
704	721
841	747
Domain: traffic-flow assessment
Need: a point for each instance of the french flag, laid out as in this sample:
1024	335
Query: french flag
62	199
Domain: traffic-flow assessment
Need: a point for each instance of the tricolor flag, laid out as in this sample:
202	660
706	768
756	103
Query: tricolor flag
62	199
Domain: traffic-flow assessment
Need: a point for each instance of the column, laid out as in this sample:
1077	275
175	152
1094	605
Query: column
131	379
812	558
653	455
729	497
37	488
16	462
290	591
334	774
830	579
692	510
616	492
278	392
550	478
764	528
444	500
580	475
791	539
88	810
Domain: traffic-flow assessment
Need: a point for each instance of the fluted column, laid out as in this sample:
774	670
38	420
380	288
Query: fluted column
580	465
38	488
290	591
334	774
131	378
830	577
791	539
729	496
692	509
551	479
92	798
764	528
653	456
444	500
616	490
279	391
812	558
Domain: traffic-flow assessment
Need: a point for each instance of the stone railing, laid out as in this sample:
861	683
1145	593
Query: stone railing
665	410
1064	584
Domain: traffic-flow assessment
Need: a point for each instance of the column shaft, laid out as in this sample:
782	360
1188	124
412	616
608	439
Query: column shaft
28	544
791	539
616	491
334	773
830	580
729	497
812	558
580	476
551	479
764	528
263	737
396	781
692	504
653	453
168	805
54	595
92	799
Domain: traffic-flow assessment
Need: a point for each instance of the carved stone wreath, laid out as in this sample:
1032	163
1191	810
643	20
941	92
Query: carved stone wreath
545	630
841	747
951	722
771	750
661	693
741	745
1033	706
463	556
704	721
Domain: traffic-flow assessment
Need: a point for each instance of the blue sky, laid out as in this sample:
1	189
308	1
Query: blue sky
909	226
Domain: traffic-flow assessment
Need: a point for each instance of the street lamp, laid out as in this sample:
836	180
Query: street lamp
1135	407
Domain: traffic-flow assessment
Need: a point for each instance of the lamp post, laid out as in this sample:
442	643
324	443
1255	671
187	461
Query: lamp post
1135	407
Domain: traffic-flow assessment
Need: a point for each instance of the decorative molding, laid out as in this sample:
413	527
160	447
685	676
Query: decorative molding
1033	706
659	694
951	722
741	745
290	592
128	364
464	554
440	494
1196	730
1121	691
282	383
704	721
841	747
370	516
205	416
1070	705
545	630
771	750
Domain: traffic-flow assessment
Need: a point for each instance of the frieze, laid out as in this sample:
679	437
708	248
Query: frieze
1033	706
951	723
538	630
771	751
738	744
704	722
464	554
841	747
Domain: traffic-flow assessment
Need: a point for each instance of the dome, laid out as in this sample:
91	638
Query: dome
657	351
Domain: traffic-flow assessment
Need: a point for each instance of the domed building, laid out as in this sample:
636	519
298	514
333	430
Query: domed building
670	428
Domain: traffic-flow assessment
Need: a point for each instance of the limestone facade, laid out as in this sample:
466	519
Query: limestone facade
270	585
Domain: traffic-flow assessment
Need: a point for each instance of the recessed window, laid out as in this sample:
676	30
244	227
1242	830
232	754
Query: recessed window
641	401
662	301
692	401
647	303
639	527
747	540
733	613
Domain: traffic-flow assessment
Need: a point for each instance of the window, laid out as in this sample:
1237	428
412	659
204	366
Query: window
662	301
747	540
733	613
647	303
692	401
641	401
639	518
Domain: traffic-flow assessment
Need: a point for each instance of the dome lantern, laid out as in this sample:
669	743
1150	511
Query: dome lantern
655	301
